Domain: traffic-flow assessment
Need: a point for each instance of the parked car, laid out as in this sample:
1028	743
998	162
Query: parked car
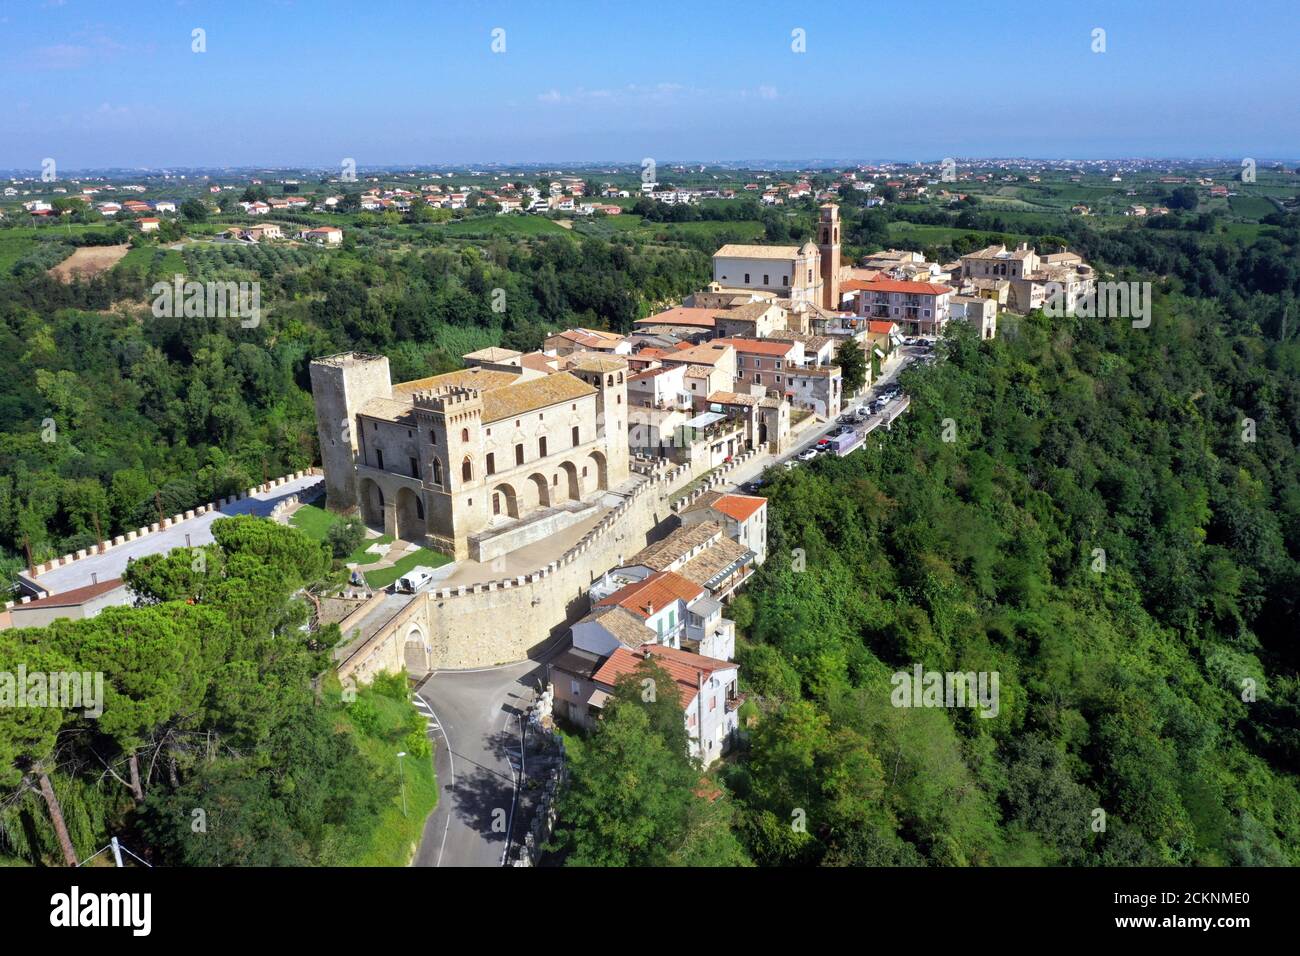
751	487
413	580
864	411
847	418
808	454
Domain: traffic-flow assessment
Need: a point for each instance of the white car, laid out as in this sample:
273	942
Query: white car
808	454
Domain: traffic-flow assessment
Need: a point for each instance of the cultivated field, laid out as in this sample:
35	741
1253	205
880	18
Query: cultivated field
89	261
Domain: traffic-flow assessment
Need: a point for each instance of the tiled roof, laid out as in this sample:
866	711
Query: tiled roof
738	251
476	377
686	669
677	545
714	560
739	507
73	597
655	592
733	398
682	315
623	624
533	394
758	346
902	285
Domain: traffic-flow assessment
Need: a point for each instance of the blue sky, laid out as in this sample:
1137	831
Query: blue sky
114	82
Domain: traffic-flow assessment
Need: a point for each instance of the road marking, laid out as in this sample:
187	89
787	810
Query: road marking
451	763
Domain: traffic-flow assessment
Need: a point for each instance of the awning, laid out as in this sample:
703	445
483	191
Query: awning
878	352
704	420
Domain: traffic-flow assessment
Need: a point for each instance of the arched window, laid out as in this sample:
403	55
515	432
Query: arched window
464	434
437	472
466	470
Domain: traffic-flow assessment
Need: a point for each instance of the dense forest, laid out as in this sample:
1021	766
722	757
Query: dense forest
212	747
1106	517
113	416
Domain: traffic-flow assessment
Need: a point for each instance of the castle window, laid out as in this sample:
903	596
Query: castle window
519	454
433	438
464	434
765	279
419	509
609	379
584	471
379	457
746	278
491	463
415	468
575	433
555	481
541	447
437	472
466	470
620	378
618	400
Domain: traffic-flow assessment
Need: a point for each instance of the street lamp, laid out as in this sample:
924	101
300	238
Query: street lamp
402	773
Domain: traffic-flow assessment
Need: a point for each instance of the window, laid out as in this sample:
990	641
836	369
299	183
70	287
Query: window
765	279
519	454
433	438
415	468
496	503
575	433
491	463
466	470
555	480
379	456
810	275
464	434
785	280
437	472
584	471
541	447
573	687
746	278
713	702
419	509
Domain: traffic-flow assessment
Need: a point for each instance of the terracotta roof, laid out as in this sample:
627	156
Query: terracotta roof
738	251
758	346
877	325
901	285
681	542
655	592
600	364
74	597
715	559
738	507
533	394
476	377
733	398
708	354
683	667
682	315
623	624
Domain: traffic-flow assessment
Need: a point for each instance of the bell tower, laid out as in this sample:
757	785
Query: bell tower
828	244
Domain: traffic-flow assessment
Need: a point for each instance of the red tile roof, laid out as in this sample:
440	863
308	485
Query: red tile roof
878	325
739	507
757	346
901	285
682	315
655	592
683	667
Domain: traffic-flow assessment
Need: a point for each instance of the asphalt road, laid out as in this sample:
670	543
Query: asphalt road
474	719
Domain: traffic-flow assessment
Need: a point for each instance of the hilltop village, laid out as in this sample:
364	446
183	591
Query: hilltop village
518	452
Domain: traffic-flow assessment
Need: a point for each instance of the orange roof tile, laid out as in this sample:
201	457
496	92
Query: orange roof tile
901	285
655	592
683	667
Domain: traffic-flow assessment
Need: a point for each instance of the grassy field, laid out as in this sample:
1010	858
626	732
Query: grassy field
385	724
419	557
934	235
14	247
487	226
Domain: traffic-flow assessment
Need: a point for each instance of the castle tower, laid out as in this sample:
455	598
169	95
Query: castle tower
828	243
341	385
453	464
609	377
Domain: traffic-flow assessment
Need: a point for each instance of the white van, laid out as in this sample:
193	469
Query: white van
414	579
